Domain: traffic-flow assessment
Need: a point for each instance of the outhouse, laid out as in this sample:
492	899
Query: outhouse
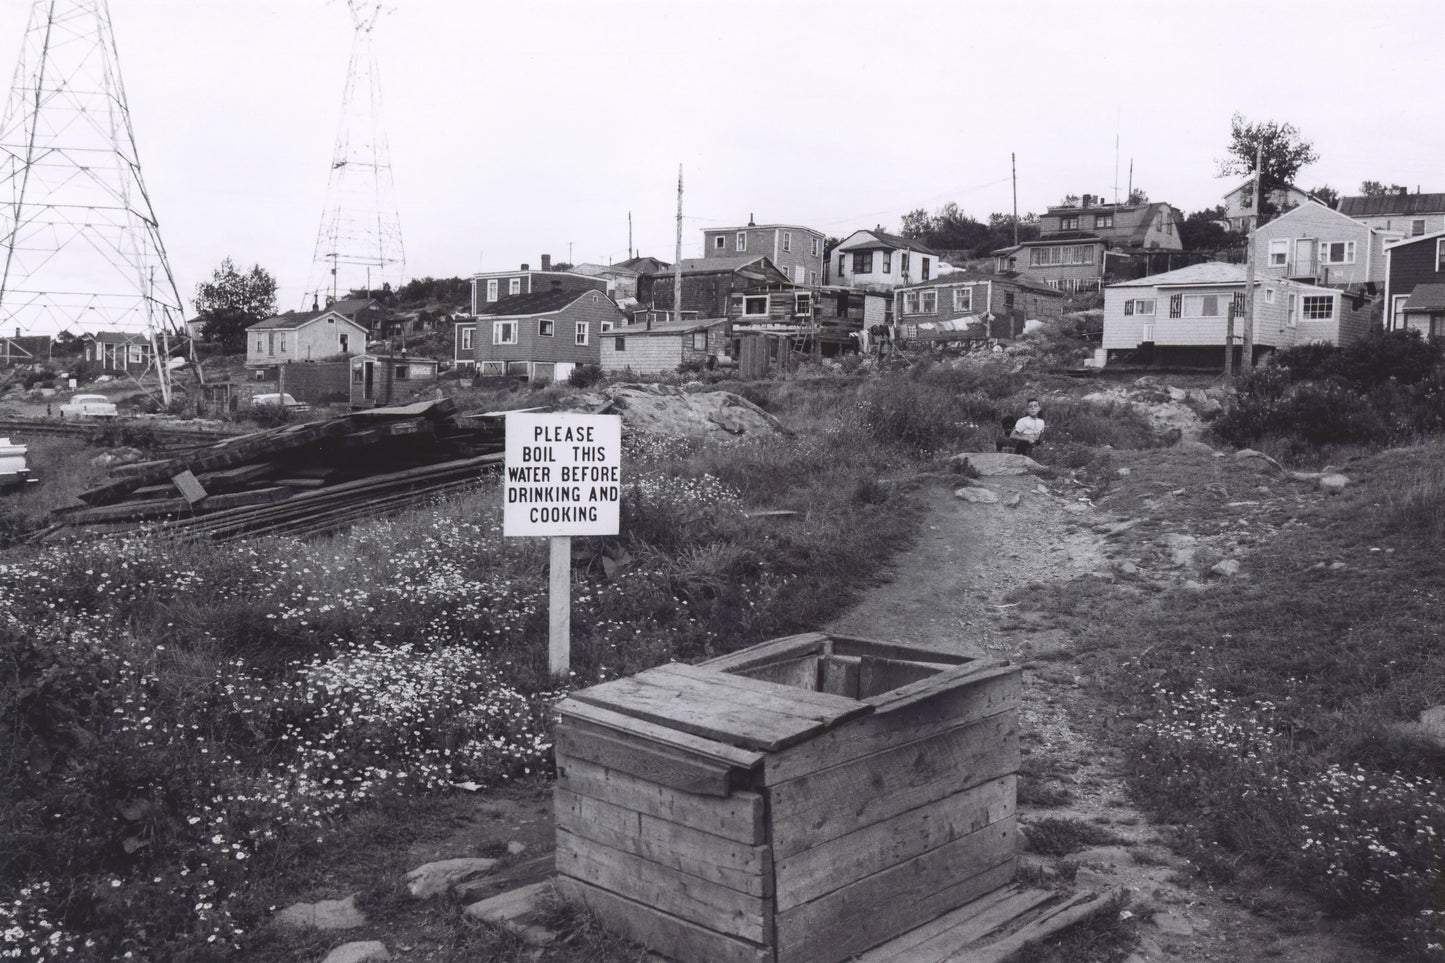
798	801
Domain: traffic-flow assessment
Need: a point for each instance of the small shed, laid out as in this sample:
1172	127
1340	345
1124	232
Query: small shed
799	801
386	380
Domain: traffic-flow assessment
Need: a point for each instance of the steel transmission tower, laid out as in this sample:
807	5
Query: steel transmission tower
359	244
79	241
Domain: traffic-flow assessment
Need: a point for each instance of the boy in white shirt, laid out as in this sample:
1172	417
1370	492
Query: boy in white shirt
1026	431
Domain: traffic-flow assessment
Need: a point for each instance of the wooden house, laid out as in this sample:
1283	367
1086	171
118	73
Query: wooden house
388	379
1410	215
662	347
490	287
1000	304
25	349
799	801
118	351
1082	245
541	336
1183	315
877	261
1415	285
303	336
708	284
795	250
1240	210
1319	245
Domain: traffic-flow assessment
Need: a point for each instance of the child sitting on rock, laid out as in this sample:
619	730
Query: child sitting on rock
1021	434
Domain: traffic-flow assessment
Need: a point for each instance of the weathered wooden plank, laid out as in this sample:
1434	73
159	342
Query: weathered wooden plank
738	816
873	848
925	689
819	706
239	475
937	940
189	488
829	803
1045	923
839	675
687	897
256	496
984	694
787	647
745	868
662	699
871	910
850	645
673	937
646	760
877	675
573	711
800	673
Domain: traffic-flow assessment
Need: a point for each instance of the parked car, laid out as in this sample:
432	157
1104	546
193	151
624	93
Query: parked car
88	406
290	403
14	473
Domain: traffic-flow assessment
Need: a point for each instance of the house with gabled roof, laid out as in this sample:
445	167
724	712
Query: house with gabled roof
1415	284
875	260
994	305
1319	245
123	351
1410	215
303	336
795	250
1183	315
663	347
491	287
1082	245
541	336
1240	210
709	284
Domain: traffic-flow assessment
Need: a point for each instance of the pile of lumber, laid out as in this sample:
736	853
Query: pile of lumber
303	478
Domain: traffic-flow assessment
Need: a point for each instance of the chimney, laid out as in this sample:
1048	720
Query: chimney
1086	200
750	219
1403	191
526	267
546	262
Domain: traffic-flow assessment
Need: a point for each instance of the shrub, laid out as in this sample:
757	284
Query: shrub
585	375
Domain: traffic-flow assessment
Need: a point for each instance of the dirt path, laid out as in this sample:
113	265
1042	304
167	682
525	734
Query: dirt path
950	590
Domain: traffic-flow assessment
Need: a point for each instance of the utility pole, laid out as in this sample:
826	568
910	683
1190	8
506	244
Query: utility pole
677	257
629	235
1014	171
1247	361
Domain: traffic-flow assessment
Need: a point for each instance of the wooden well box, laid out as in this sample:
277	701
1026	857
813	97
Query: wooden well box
798	801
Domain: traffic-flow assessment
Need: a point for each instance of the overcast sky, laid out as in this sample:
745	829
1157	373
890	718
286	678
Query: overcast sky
524	128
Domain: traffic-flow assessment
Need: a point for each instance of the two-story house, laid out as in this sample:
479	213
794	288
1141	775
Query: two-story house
1183	316
1240	210
708	286
1410	215
303	336
1080	246
1319	245
998	305
542	336
1415	284
795	250
489	287
878	261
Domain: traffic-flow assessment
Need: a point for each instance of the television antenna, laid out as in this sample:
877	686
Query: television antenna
79	239
358	246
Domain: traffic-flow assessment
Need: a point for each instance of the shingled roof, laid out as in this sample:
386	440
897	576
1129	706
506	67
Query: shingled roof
538	302
1391	204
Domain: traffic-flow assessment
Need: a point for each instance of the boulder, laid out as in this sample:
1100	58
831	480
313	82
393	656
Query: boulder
1226	568
1432	724
1333	483
972	493
1259	459
436	878
326	914
988	463
362	951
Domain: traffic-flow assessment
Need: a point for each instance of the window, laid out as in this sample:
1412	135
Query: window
1103	220
1008	301
1176	305
345	341
580	338
699	340
742	241
514	286
887	262
619	344
787	240
1269	295
803	303
134	354
815	247
466	338
546	327
929	303
910	302
604	326
755	305
1338	252
799	275
492	290
842	263
1279	252
260	345
1139	306
863	262
963	299
1203	306
504	332
1069	223
1397	311
1417	227
283	342
903	263
403	372
719	243
1061	254
1319	308
1439	256
924	275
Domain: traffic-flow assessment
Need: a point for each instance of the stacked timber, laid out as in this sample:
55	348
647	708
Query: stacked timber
301	479
799	801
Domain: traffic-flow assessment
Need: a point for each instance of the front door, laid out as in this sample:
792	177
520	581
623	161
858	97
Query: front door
1304	258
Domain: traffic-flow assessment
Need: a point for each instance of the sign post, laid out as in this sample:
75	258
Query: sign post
563	477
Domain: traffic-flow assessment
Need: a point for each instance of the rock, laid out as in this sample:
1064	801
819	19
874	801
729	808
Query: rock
1087	878
1260	459
1192	585
515	911
1076	508
1012	499
1177	394
364	951
1226	568
1194	445
433	879
1124	472
326	914
1338	566
988	463
1333	483
1432	724
1172	924
974	494
1182	549
118	456
516	848
1127	567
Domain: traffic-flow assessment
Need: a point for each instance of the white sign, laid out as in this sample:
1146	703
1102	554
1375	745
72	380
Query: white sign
563	474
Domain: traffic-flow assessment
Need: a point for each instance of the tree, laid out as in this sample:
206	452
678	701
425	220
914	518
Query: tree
1327	195
1284	153
916	224
1377	189
1138	196
1206	231
231	302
